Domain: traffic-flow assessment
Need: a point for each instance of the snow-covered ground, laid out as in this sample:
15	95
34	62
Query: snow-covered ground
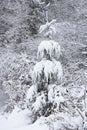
19	120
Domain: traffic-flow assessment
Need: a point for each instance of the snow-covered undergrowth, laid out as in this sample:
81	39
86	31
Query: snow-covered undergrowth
15	77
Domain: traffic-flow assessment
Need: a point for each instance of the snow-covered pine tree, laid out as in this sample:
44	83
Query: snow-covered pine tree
45	95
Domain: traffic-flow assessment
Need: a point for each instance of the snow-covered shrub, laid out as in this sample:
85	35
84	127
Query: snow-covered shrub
15	78
49	49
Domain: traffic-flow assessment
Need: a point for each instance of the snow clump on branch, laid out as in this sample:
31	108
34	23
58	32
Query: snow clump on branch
48	49
48	71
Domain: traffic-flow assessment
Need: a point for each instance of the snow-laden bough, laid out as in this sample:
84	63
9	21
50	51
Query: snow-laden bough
48	49
47	71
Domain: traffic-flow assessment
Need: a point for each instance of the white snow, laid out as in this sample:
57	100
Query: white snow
19	120
48	47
